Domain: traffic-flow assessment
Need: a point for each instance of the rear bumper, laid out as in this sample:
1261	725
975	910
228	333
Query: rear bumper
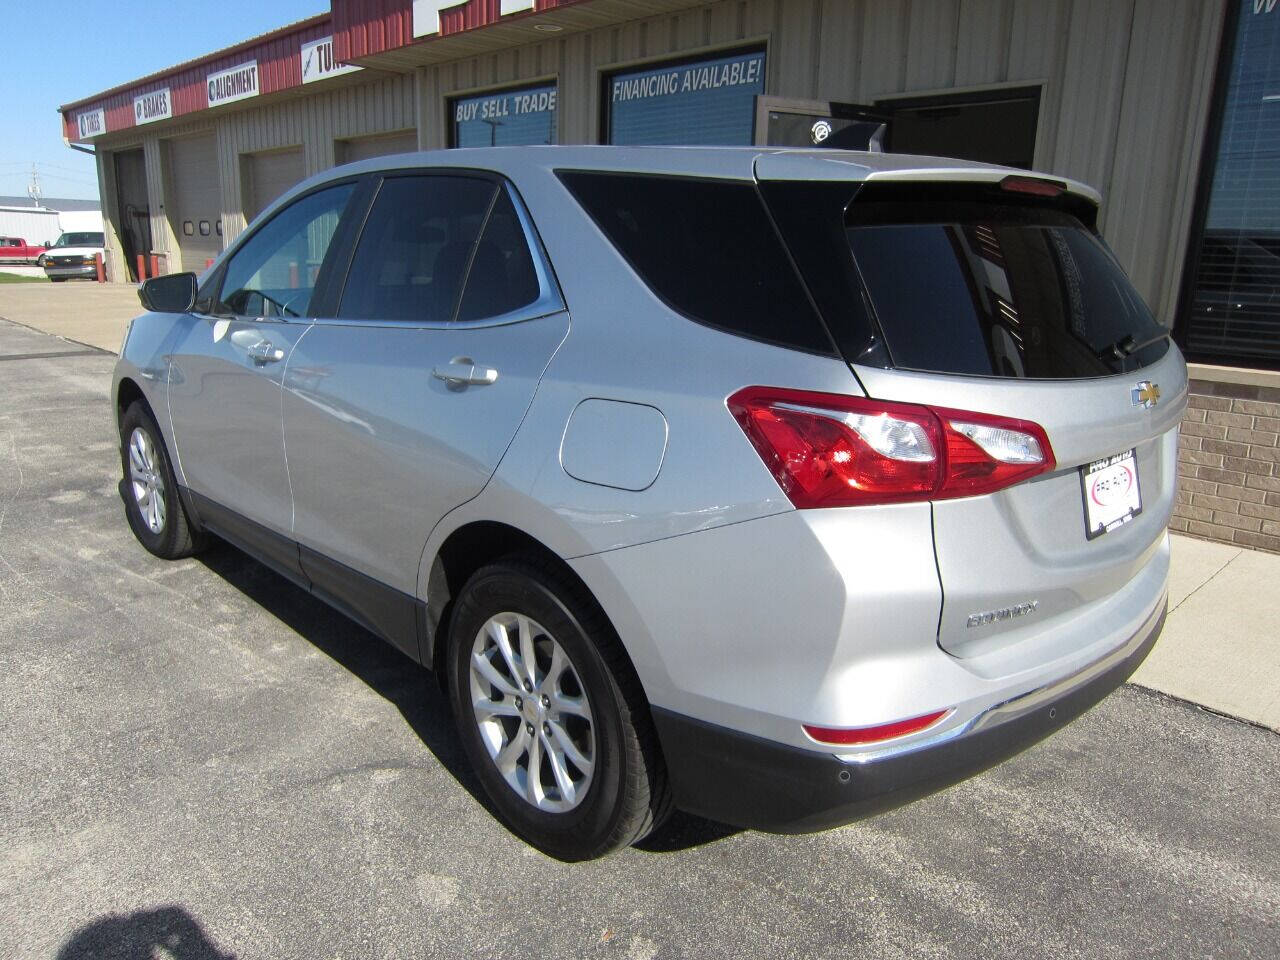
751	782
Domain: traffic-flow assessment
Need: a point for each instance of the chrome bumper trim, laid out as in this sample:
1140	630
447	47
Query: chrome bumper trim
1023	703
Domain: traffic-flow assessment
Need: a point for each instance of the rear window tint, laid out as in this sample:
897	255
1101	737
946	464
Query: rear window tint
707	249
412	257
502	277
991	290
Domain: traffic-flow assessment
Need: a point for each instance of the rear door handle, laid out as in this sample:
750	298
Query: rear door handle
463	371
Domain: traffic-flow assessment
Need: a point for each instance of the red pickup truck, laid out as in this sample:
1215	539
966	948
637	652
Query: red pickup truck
17	250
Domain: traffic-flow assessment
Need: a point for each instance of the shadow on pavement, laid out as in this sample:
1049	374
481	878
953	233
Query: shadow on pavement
135	936
412	690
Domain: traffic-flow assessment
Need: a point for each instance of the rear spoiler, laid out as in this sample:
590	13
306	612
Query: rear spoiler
876	168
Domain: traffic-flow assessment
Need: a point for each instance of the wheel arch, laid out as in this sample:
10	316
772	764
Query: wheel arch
127	393
470	547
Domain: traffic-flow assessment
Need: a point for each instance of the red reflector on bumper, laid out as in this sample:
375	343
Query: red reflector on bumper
885	731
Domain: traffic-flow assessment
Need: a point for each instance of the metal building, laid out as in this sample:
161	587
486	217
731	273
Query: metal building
1170	107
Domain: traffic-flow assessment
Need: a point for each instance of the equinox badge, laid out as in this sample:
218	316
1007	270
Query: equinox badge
1145	395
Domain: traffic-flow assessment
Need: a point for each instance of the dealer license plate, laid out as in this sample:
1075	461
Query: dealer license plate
1111	494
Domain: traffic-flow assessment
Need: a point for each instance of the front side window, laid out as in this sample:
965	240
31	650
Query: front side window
417	245
507	118
274	273
703	102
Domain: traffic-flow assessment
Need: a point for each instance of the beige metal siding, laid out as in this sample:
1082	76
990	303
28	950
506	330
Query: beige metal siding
367	106
349	151
269	175
112	252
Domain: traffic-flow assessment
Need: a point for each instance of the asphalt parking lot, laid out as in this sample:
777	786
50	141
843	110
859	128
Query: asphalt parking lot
201	761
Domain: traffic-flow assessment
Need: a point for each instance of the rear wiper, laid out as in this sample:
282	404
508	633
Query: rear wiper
1127	346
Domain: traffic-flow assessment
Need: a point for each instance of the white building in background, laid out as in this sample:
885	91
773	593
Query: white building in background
41	224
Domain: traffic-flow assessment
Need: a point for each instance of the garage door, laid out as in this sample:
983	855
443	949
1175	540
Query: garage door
271	174
349	151
133	224
196	204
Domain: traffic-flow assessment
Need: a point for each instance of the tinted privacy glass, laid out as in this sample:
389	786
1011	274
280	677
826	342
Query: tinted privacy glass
1006	291
502	277
415	248
274	273
706	248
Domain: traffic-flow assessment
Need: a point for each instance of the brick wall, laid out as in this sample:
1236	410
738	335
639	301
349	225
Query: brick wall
1229	465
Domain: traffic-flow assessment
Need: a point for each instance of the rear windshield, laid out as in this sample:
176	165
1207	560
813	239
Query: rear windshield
1004	290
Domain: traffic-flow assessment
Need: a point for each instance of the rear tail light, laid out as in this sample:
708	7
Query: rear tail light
846	736
827	450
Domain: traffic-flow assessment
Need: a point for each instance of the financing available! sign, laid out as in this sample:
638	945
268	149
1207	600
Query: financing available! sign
153	106
91	123
690	79
236	83
709	101
318	62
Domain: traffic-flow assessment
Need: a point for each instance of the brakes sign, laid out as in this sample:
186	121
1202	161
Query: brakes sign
1111	494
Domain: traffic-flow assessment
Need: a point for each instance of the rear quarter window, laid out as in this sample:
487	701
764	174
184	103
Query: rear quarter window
707	249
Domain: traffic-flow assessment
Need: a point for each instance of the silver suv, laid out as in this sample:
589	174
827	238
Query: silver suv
778	486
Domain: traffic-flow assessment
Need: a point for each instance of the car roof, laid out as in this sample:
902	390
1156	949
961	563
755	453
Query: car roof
739	163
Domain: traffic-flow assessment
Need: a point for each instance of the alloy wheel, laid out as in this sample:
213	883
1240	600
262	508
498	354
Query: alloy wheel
147	479
532	712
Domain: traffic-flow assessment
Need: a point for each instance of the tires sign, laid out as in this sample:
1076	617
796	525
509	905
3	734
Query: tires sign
91	123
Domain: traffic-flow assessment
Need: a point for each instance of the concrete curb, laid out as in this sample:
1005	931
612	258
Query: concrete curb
1220	648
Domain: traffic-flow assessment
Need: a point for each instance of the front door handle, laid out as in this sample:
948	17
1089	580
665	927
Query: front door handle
463	371
264	351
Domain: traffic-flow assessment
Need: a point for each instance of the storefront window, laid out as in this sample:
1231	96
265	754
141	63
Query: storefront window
709	101
1234	314
506	118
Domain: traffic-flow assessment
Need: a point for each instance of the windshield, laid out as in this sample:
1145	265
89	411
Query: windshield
79	240
1004	291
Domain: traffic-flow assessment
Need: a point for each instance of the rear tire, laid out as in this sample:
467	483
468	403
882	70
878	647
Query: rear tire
576	718
150	490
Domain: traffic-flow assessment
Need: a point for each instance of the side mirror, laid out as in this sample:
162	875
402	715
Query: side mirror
173	293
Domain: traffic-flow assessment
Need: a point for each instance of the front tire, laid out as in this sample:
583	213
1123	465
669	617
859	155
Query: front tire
150	490
551	714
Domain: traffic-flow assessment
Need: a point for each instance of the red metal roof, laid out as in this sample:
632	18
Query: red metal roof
360	28
278	55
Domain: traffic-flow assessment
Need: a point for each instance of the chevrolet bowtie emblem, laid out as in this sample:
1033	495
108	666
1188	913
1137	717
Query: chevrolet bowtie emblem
1146	394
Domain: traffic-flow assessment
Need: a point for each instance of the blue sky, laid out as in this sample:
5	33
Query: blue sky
63	52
